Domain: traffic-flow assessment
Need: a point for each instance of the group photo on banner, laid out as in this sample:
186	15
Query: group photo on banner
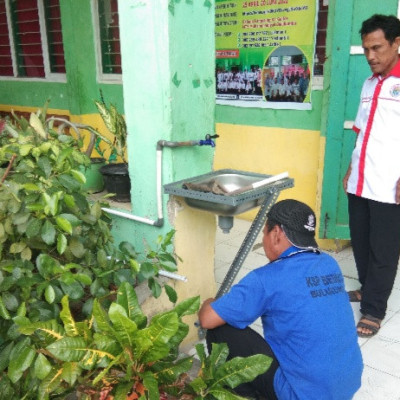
265	52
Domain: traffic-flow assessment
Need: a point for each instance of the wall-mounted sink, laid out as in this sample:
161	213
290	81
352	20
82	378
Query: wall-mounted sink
226	192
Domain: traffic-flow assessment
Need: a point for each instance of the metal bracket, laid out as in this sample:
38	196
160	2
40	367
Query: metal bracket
245	247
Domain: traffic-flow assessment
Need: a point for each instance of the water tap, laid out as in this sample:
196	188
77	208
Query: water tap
208	140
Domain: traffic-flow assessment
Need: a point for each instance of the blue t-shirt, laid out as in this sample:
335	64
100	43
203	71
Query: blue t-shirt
307	320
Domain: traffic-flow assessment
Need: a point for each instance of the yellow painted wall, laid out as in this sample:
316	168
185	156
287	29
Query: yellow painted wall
271	150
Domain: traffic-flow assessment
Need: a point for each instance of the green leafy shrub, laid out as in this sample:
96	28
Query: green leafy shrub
53	241
70	321
119	354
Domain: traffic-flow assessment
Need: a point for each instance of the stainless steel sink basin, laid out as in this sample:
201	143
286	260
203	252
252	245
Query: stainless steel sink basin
201	191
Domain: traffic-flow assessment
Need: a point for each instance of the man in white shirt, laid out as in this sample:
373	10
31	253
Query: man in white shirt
373	178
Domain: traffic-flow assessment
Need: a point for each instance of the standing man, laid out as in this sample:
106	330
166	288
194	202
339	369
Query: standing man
308	323
372	180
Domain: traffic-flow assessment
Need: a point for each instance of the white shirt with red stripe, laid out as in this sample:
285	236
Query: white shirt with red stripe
375	163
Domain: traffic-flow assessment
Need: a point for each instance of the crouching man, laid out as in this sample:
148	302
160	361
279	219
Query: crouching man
308	324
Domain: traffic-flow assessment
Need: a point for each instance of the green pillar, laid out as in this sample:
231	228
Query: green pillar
169	94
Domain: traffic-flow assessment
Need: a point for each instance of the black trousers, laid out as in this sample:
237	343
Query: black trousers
375	237
244	343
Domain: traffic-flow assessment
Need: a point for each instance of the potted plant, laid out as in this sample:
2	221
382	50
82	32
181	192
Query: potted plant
116	175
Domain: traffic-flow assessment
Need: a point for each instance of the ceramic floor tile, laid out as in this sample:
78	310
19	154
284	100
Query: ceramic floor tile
346	253
382	352
397	280
220	273
348	268
253	261
378	386
394	300
225	252
351	283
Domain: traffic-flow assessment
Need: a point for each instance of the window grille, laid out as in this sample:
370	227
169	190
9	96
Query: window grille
109	36
31	43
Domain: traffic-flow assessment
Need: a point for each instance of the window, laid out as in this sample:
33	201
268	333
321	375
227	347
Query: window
109	49
320	47
31	43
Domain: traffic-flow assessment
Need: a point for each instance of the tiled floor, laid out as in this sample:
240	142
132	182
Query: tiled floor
381	354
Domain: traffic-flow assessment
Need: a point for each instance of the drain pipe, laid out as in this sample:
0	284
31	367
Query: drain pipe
208	141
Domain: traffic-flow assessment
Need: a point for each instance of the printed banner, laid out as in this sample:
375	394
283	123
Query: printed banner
265	52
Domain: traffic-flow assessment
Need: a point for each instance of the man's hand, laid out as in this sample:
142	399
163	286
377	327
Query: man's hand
397	199
346	178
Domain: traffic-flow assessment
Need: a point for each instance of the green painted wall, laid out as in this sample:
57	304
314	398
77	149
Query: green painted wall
291	119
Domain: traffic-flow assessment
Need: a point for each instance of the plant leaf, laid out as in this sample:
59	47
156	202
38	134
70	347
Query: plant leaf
3	310
48	232
67	319
48	331
10	301
161	329
50	383
169	372
69	348
219	355
188	307
21	358
33	227
101	318
155	287
37	125
171	293
224	394
147	270
78	175
42	367
151	385
5	356
126	297
61	243
47	266
70	372
44	164
124	328
198	384
122	391
64	224
49	294
76	247
241	369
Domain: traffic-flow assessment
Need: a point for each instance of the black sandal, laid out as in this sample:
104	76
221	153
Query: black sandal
354	296
363	323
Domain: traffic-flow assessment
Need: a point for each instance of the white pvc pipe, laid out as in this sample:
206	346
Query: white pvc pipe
159	200
167	274
270	180
159	183
258	184
129	216
172	275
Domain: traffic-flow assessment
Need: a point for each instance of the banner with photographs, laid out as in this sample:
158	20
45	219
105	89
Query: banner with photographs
265	52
